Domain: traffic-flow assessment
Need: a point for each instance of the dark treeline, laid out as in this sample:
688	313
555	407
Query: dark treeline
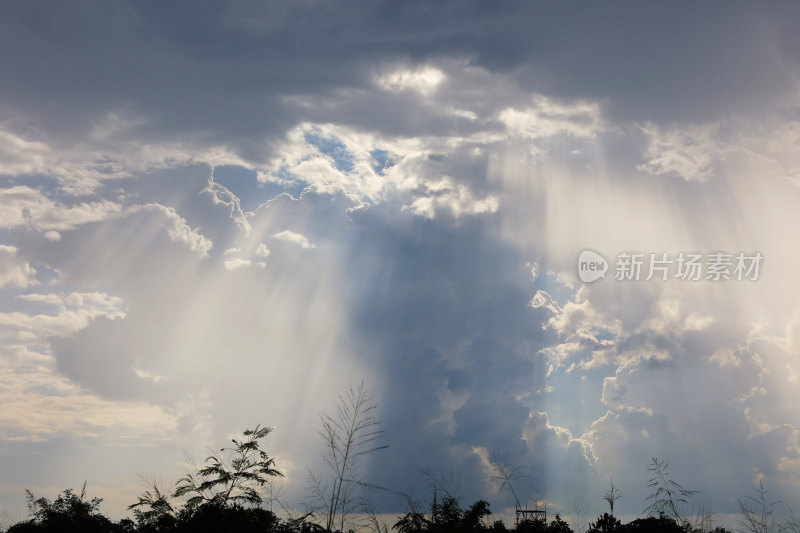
73	513
228	492
225	495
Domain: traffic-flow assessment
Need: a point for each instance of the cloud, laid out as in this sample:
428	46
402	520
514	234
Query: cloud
293	237
74	312
262	250
15	271
222	196
546	118
39	406
236	263
428	162
20	156
753	63
688	153
424	79
25	206
456	201
180	231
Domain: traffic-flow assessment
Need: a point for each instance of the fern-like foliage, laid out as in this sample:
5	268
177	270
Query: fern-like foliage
232	477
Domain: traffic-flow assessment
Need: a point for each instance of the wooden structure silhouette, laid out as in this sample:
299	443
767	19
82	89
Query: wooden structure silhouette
525	514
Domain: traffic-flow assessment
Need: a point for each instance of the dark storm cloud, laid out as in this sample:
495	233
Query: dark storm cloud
209	73
443	310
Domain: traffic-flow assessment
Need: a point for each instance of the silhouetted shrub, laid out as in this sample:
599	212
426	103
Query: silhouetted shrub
651	524
447	517
211	518
68	513
605	524
557	525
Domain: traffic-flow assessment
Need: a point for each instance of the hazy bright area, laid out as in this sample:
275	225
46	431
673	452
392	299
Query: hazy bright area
215	215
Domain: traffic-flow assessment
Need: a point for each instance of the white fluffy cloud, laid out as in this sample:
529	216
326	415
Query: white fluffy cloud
236	263
15	271
24	206
444	196
180	231
262	250
424	79
294	237
689	153
547	118
73	312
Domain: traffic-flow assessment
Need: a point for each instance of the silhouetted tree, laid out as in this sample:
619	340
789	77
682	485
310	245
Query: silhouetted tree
652	524
411	522
498	527
447	517
605	524
558	525
531	526
232	477
218	518
223	495
68	513
472	520
153	511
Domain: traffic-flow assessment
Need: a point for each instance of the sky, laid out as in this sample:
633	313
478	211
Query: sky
216	215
